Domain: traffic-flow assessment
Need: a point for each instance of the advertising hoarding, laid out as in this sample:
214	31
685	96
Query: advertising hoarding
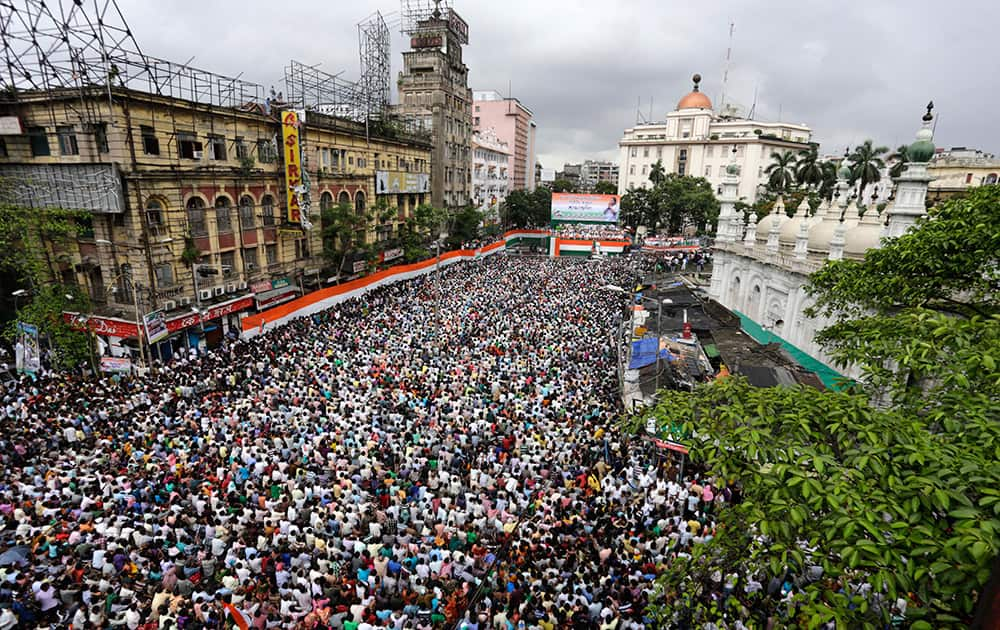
548	174
570	207
293	163
156	327
393	182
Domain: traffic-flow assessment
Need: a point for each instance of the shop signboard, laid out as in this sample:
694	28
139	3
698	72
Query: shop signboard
392	254
360	265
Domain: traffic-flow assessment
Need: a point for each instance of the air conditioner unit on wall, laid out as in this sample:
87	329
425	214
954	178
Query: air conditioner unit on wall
170	305
243	285
185	301
197	154
220	290
205	294
230	288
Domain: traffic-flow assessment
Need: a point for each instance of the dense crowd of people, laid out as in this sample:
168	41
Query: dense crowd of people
604	232
439	453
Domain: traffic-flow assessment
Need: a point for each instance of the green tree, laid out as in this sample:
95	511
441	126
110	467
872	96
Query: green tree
605	188
29	242
465	227
44	308
866	165
563	186
781	171
903	497
527	209
809	168
829	182
898	161
656	173
637	208
681	200
834	494
340	223
541	202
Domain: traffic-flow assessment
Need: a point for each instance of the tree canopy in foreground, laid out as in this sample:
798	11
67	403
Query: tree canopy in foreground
863	507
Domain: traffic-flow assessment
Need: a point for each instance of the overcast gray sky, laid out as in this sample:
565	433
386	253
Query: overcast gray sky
851	70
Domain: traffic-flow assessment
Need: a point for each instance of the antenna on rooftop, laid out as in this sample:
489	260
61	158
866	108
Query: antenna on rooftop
725	72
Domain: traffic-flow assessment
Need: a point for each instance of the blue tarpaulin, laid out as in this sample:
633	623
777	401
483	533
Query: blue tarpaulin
644	353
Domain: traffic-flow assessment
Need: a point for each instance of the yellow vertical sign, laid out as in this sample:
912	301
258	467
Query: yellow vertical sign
290	125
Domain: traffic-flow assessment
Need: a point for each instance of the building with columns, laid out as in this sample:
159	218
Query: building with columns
761	266
694	140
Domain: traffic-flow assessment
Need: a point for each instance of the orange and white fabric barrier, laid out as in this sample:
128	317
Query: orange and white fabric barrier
323	299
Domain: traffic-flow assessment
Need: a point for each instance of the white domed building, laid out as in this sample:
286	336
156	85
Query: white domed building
695	139
760	268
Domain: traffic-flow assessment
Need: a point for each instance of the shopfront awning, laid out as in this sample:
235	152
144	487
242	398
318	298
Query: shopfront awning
276	296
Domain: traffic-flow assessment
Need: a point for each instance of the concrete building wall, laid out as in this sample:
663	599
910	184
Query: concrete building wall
513	124
206	177
433	86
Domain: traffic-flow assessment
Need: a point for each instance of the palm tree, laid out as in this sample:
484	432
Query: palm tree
866	165
656	173
781	171
829	179
809	168
898	161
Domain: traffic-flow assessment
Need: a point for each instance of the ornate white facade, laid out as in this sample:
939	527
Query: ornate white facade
761	266
694	140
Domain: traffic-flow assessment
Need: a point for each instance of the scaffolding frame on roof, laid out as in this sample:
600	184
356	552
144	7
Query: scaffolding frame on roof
76	44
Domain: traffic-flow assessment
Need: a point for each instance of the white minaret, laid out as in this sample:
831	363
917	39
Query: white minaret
729	222
802	238
911	186
773	244
750	238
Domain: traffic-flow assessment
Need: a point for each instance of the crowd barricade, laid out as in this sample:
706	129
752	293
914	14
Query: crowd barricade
323	299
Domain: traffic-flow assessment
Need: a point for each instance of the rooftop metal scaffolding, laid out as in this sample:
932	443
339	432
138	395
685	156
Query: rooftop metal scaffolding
375	47
59	44
415	12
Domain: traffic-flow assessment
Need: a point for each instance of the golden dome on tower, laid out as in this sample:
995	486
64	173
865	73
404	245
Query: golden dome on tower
695	100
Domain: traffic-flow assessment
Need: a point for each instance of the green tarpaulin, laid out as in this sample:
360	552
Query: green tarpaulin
830	377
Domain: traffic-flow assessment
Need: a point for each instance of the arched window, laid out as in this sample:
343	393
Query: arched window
196	217
247	221
359	202
991	178
223	215
325	201
123	284
154	216
344	198
267	209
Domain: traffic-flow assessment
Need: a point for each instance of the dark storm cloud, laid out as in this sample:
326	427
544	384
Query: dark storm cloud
850	70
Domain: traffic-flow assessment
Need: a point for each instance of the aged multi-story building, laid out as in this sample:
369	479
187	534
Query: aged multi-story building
189	201
957	169
434	91
490	178
594	171
514	124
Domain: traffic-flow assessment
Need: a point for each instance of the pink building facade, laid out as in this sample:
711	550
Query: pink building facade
512	123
